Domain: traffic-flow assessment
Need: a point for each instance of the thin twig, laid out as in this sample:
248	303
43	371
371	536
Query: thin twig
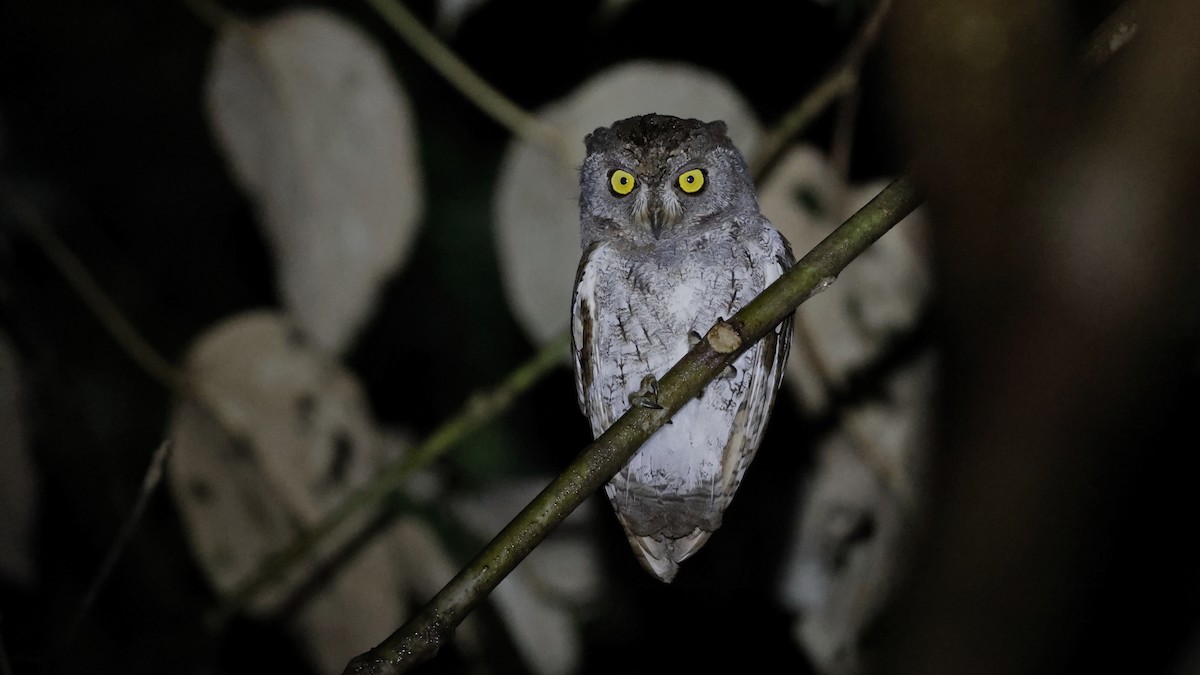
150	482
487	98
94	298
421	637
479	409
839	81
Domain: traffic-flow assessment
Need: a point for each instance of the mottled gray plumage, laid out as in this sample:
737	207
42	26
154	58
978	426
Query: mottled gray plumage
662	262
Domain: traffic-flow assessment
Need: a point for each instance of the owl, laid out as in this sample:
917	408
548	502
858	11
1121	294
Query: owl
673	241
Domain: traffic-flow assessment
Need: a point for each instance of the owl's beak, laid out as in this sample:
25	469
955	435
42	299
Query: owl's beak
660	215
658	218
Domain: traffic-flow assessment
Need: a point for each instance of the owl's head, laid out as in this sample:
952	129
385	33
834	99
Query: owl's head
654	177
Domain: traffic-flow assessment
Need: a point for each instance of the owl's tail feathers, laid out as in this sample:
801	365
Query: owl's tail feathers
661	555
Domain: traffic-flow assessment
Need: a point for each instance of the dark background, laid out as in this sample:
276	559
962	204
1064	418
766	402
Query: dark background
102	127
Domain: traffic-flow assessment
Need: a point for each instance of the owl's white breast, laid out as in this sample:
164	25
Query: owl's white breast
647	305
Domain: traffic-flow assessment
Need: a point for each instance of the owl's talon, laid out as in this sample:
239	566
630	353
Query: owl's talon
647	395
729	373
694	339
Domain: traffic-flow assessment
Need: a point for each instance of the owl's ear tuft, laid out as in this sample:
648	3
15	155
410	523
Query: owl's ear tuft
717	127
599	137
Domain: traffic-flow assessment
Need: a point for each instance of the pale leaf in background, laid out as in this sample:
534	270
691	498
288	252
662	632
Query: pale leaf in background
18	482
232	519
539	601
857	509
303	415
537	195
319	133
295	437
856	516
874	301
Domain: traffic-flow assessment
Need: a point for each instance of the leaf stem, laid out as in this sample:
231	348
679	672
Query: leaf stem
94	298
487	98
839	81
150	482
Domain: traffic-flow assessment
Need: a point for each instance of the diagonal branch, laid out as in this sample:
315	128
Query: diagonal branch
421	637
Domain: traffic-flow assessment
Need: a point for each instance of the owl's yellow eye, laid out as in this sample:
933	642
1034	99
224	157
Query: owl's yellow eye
621	181
691	181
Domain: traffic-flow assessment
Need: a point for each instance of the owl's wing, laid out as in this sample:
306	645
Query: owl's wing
781	261
596	407
661	552
766	370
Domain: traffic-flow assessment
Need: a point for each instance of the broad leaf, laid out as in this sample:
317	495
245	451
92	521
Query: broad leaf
319	134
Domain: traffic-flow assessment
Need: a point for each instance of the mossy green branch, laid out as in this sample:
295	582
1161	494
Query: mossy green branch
421	637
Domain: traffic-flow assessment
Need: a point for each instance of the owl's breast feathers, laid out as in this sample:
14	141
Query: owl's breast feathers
632	312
